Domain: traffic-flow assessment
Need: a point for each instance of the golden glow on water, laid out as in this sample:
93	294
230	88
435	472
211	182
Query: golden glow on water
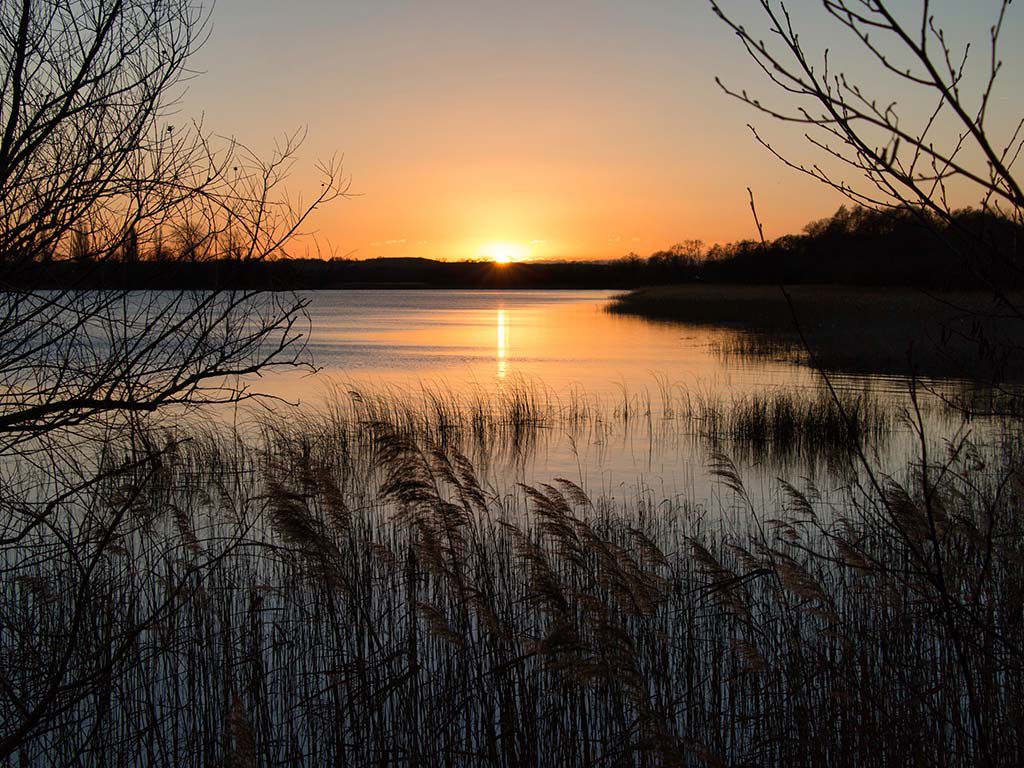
463	341
502	351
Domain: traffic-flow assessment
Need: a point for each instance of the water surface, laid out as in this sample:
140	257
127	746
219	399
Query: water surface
565	339
633	373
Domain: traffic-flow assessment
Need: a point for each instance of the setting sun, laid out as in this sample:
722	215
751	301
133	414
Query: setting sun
505	253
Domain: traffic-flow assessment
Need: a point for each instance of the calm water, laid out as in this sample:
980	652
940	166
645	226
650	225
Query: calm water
564	343
564	339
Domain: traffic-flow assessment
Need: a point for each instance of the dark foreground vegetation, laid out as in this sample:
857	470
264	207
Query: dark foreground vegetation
856	246
348	589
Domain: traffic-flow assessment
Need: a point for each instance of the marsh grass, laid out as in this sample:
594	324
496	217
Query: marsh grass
782	424
778	427
346	590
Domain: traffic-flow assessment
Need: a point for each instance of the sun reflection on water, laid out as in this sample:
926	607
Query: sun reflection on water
502	350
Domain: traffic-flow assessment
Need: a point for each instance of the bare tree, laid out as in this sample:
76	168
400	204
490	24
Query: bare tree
923	127
87	91
92	168
130	247
962	145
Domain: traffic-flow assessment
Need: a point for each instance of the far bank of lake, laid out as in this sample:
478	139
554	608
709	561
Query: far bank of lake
872	331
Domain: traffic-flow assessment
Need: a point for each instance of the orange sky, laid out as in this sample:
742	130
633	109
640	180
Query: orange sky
570	129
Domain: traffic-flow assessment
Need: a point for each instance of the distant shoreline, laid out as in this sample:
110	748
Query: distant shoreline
385	274
855	247
315	274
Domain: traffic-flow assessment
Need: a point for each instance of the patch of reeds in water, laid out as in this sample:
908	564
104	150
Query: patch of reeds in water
783	427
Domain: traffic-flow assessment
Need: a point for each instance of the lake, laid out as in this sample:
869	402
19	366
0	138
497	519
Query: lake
653	393
377	541
564	339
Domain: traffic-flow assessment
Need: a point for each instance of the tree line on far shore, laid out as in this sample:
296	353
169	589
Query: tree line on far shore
856	245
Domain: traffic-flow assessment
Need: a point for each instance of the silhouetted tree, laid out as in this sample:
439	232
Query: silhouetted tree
80	249
130	247
916	161
193	243
89	167
881	156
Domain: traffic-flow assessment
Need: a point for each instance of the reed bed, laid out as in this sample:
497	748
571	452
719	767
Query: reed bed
342	589
780	426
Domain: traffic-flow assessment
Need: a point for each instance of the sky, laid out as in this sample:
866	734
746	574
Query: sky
536	129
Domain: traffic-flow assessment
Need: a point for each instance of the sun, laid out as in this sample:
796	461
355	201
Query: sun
504	253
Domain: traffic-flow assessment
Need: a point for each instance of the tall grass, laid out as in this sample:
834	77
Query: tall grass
774	426
346	591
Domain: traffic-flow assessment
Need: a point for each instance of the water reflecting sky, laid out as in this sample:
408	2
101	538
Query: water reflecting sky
474	343
459	339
